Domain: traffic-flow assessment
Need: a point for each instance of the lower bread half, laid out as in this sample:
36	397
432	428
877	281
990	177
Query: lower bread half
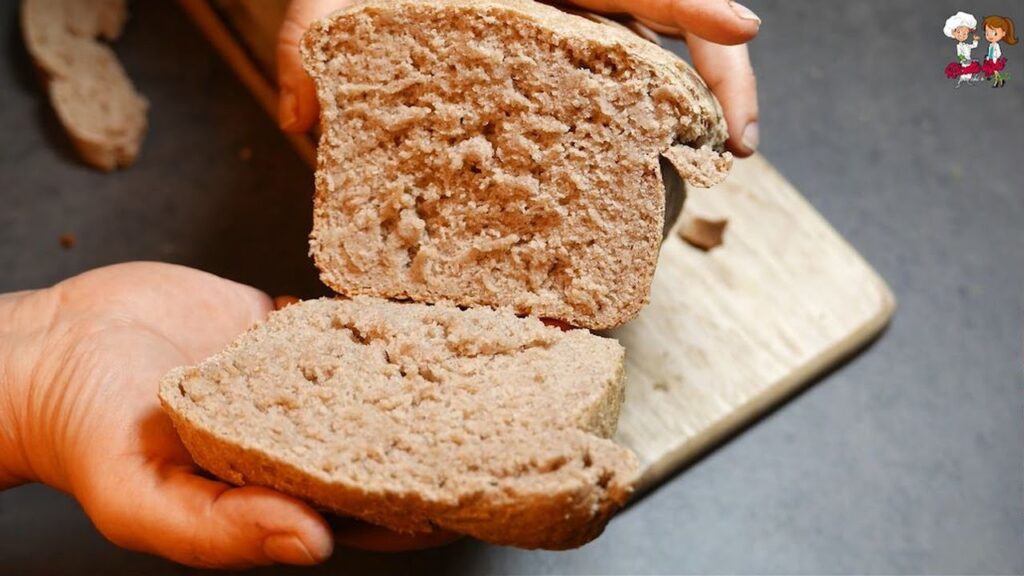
416	417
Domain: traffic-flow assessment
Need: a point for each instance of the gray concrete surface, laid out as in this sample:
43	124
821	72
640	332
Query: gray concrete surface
908	459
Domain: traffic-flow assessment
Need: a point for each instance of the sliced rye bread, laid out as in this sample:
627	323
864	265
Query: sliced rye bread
103	114
500	153
416	417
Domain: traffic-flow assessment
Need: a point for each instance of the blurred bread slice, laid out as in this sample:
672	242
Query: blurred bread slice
103	114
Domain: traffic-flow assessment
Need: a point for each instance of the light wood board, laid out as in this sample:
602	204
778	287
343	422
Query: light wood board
731	332
728	333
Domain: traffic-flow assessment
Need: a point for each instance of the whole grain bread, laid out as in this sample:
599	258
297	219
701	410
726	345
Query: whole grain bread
500	153
103	114
417	417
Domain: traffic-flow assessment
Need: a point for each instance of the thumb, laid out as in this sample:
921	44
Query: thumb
730	77
168	510
297	107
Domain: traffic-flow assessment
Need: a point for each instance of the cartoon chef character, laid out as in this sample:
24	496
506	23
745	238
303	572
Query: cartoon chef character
958	27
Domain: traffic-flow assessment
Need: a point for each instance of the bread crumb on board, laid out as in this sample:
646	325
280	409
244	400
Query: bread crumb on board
67	240
703	233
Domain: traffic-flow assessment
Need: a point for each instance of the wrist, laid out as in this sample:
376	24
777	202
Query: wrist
24	319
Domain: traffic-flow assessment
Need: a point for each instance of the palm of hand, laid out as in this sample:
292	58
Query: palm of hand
98	430
119	329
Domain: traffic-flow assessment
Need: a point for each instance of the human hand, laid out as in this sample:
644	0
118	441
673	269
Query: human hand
79	369
715	32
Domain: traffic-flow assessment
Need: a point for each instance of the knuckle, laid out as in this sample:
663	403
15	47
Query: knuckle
290	34
200	550
201	554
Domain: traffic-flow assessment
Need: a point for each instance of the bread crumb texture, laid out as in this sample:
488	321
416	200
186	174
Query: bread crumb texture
414	416
103	114
498	153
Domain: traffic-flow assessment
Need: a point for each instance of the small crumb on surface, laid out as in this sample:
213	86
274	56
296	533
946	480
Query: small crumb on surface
67	240
661	385
245	154
703	233
283	301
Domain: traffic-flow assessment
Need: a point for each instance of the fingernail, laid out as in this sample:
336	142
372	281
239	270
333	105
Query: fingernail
751	137
744	12
287	109
287	549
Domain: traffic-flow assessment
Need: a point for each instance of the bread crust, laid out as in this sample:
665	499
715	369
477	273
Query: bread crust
555	521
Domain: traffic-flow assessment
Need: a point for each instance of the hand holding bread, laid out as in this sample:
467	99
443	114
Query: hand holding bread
488	160
79	387
482	164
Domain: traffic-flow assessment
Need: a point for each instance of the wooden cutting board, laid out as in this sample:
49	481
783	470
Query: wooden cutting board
728	333
732	332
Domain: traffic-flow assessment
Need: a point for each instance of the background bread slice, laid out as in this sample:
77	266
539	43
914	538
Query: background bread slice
94	99
414	416
499	152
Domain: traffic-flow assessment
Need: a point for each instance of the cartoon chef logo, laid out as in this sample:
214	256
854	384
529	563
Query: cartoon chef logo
965	70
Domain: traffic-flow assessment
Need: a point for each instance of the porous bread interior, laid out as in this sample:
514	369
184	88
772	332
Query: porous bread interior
475	156
408	399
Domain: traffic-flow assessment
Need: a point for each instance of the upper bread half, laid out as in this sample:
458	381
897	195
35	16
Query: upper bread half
500	153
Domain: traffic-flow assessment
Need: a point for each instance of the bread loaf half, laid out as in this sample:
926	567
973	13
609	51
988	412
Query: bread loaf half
95	101
416	417
500	153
